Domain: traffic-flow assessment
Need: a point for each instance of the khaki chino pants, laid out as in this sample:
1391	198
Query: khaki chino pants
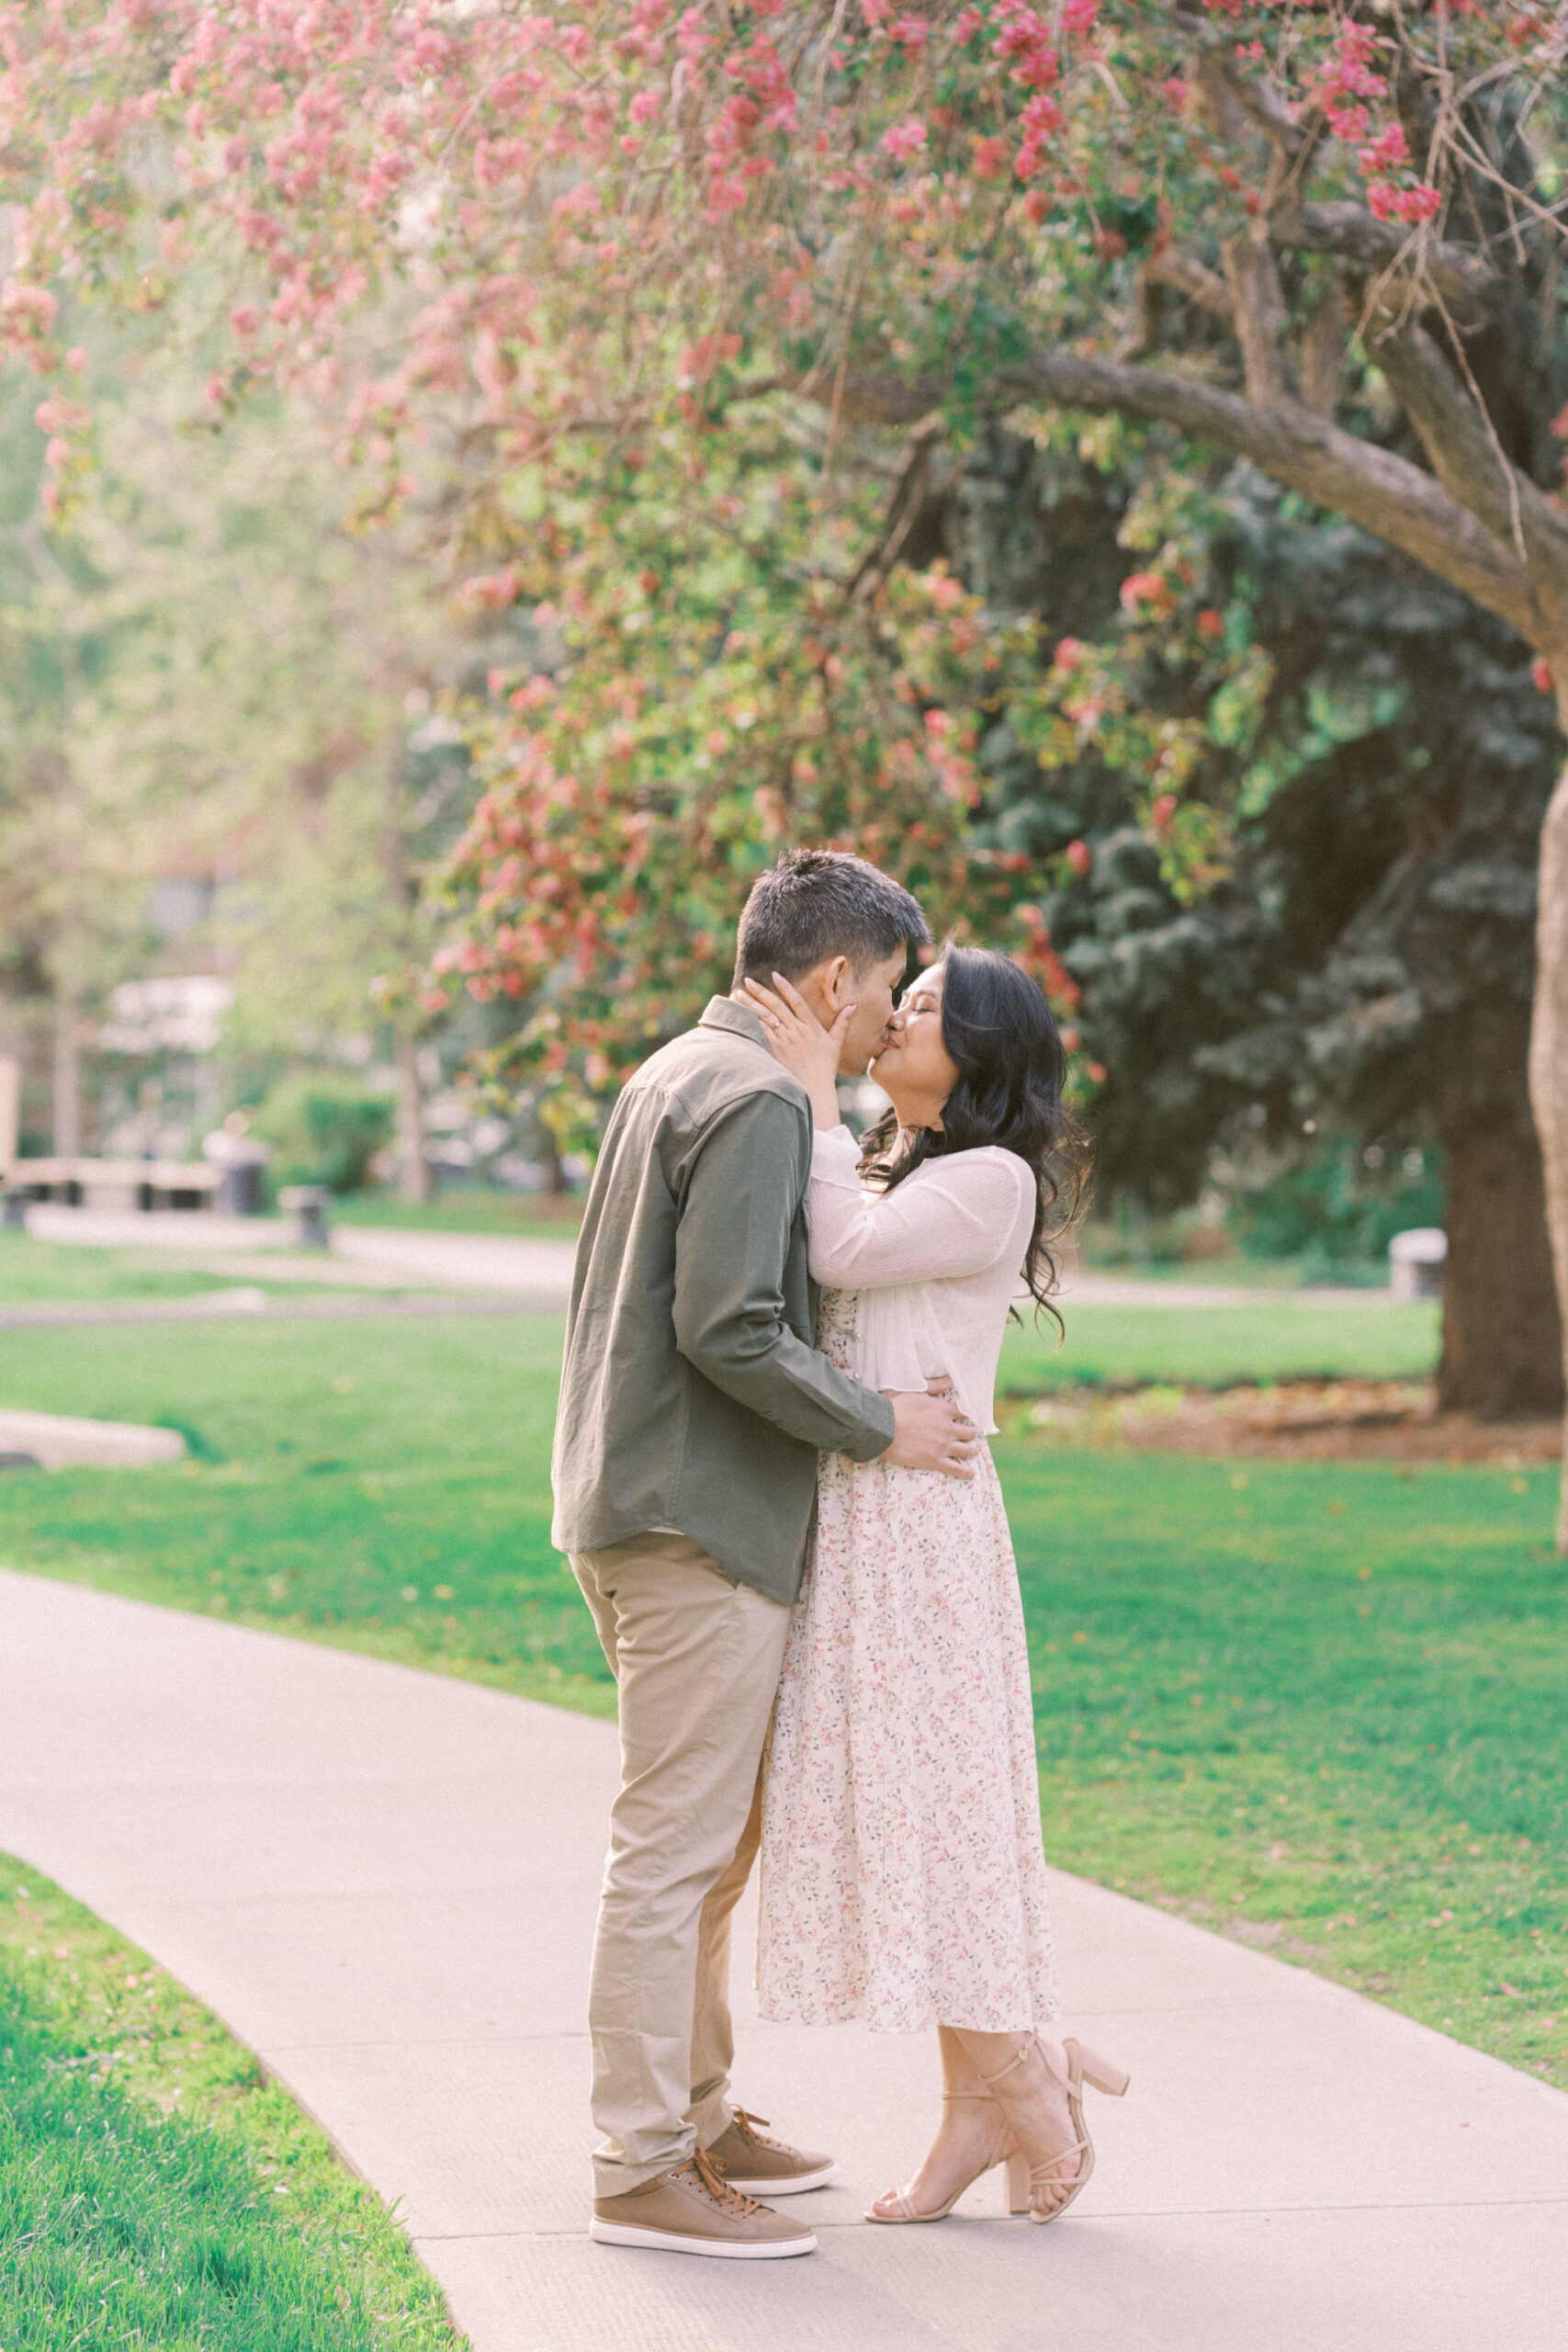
697	1659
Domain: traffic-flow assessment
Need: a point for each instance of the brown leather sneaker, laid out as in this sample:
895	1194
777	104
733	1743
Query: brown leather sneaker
689	2209
763	2168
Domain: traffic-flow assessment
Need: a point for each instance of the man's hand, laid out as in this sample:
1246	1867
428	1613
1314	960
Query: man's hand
931	1432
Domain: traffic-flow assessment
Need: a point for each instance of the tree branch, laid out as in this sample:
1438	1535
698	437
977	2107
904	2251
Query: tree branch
1265	107
1470	547
1322	355
1191	277
1469	463
1459	273
1259	309
1235	101
874	400
1384	493
902	508
1142	331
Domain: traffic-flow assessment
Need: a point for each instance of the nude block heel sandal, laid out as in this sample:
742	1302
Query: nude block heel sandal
1083	2066
1099	2073
1003	2151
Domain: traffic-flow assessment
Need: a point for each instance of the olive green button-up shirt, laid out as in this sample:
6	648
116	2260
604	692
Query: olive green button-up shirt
692	1397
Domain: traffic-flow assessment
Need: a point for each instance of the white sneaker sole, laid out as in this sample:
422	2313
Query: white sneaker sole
721	2249
766	2186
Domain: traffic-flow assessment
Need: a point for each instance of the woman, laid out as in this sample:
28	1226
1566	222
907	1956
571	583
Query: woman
903	1877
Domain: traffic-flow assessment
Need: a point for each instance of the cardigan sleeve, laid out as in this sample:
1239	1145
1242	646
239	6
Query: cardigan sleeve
953	1216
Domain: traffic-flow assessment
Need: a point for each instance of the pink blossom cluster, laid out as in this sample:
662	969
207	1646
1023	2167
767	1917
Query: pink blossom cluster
341	138
1396	199
1025	43
909	33
1343	84
763	99
1346	79
524	845
1413	205
948	760
905	140
1146	595
1038	957
1022	42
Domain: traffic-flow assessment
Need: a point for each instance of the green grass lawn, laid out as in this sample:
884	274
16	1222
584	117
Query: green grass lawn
1235	1270
1319	1705
153	2190
531	1215
32	1272
1212	1345
36	1274
385	1485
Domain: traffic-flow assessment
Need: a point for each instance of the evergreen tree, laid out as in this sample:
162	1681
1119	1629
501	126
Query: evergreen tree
1367	963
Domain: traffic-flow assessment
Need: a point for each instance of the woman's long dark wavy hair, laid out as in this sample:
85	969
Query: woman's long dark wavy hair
1000	1036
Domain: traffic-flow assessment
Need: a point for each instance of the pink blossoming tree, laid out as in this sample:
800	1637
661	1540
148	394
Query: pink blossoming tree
1324	239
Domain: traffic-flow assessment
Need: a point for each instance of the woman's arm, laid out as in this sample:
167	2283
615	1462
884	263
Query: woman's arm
956	1216
798	1040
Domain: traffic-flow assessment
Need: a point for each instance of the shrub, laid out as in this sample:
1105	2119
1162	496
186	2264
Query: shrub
323	1130
1340	1207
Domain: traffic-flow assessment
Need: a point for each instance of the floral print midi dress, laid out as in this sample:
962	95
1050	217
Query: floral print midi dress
903	1879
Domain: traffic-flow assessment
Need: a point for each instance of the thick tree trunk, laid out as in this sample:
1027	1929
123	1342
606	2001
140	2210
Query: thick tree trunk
66	1091
550	1159
10	1109
413	1169
1549	1036
1501	1333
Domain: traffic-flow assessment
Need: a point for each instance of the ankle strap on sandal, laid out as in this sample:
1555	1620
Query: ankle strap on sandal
1018	2055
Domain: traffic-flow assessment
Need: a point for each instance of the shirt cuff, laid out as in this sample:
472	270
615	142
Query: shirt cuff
835	1155
882	1431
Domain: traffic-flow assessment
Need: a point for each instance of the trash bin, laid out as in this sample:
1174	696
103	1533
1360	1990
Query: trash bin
242	1160
1415	1262
307	1205
240	1193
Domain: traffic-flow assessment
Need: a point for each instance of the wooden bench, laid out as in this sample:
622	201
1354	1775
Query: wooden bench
116	1184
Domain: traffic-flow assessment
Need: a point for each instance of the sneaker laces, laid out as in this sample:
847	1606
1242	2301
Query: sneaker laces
730	2201
752	2129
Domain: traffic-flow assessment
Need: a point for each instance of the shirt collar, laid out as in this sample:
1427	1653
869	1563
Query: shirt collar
723	1013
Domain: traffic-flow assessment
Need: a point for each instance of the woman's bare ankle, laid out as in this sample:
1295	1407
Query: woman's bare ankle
960	2075
963	2138
1028	2076
989	2052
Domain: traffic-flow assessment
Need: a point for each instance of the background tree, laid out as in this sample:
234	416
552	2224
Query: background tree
1323	240
707	679
1360	959
83	825
212	675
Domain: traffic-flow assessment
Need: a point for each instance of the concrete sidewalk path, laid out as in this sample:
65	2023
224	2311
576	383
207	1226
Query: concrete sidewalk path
247	1305
377	1254
384	1882
262	1249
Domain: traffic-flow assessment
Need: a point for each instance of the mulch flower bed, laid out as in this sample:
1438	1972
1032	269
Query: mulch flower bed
1302	1420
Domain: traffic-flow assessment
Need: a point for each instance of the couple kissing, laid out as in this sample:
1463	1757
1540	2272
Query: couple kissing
772	1479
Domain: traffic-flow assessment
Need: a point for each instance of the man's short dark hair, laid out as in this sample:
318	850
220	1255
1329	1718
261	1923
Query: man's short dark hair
820	902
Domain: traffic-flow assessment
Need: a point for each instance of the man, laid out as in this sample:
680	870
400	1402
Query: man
693	1409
